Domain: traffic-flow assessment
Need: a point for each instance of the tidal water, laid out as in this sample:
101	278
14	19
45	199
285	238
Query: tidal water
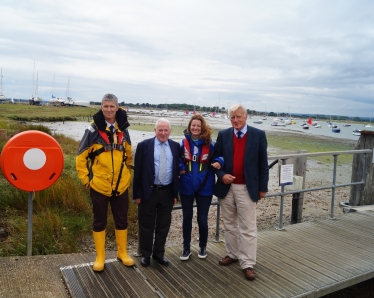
76	129
324	130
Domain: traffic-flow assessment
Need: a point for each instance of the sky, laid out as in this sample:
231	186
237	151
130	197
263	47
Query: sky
295	56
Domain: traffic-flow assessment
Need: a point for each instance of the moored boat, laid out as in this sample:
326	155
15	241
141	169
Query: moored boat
335	129
356	132
81	103
278	124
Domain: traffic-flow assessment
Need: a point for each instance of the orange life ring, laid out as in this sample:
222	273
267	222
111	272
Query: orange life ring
32	160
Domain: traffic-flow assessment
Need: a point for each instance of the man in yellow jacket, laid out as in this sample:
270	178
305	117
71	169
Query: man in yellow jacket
104	164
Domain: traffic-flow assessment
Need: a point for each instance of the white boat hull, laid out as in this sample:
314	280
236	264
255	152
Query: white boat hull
81	103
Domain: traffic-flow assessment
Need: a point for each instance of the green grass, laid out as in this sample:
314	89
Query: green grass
26	112
292	143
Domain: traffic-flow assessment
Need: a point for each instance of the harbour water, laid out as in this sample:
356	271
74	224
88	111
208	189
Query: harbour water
76	129
324	130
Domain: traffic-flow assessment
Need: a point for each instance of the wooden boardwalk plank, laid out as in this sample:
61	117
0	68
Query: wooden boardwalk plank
310	259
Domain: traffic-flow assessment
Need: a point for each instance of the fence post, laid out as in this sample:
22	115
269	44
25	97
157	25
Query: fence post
363	194
29	223
298	198
333	187
280	226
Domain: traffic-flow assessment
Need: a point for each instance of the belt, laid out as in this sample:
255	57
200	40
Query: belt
160	186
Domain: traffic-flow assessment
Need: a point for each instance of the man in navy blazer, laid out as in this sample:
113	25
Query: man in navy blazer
241	183
155	192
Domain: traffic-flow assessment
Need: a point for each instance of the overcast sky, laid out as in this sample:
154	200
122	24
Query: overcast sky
313	56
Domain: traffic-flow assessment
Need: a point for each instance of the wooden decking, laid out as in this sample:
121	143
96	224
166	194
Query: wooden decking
310	259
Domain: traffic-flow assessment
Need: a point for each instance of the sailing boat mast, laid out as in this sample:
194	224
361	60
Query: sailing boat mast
369	125
67	90
2	96
31	100
36	86
33	82
53	85
35	99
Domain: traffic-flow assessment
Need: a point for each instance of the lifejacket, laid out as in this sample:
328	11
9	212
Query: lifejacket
109	146
188	157
204	157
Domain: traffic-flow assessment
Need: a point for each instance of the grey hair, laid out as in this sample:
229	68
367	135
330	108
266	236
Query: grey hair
110	97
162	120
235	107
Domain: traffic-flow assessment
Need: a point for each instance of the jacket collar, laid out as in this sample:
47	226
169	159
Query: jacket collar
121	119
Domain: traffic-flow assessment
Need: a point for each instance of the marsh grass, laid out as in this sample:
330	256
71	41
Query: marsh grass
26	112
62	213
293	143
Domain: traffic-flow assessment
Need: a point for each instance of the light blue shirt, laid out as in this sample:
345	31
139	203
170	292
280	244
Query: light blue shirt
169	162
243	130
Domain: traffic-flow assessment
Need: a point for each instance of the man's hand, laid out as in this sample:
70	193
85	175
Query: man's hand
228	179
138	200
261	195
175	201
216	165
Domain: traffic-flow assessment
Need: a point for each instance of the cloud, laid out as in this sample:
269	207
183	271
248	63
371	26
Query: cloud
305	56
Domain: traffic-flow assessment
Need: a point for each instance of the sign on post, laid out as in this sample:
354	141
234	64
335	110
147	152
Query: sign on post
286	175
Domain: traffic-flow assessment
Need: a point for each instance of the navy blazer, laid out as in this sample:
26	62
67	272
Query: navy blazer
144	169
256	168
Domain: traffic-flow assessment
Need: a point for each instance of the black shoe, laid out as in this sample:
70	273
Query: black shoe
185	254
202	253
145	261
162	260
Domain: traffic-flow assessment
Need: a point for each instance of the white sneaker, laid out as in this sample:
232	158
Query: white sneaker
202	253
185	255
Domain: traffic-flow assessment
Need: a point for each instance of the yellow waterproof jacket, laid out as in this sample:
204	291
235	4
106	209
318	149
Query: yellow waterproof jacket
98	163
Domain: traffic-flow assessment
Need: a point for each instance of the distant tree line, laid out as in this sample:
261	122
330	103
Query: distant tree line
189	107
172	106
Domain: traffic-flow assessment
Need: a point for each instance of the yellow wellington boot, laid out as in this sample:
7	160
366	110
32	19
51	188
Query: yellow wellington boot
121	240
99	239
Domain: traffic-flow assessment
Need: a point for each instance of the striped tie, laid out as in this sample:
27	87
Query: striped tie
162	170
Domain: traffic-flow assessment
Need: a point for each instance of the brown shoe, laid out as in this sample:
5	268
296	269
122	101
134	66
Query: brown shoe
227	261
249	273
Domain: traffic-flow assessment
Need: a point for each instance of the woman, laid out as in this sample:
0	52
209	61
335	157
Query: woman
196	181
